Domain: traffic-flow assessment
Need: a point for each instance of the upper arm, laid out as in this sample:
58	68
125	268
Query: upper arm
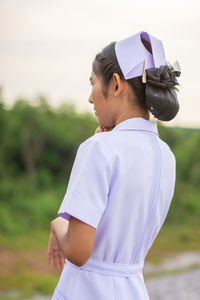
87	192
80	241
86	199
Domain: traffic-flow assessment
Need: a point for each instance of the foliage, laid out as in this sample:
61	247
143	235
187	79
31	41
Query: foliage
38	145
37	149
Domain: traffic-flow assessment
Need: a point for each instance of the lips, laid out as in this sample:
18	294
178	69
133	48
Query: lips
95	111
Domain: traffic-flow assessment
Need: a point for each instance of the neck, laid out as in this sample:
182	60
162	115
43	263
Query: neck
132	114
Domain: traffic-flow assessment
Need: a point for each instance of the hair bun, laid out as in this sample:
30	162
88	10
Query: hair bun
161	97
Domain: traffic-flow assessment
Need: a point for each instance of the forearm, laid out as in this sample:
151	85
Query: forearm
75	242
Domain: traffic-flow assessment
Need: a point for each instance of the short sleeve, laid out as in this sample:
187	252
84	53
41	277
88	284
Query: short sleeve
88	187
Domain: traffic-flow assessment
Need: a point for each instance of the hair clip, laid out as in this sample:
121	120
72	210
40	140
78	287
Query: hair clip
144	75
176	67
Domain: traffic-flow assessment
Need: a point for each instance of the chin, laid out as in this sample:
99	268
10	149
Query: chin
99	121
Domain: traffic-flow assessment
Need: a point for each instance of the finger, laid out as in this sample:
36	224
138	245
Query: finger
55	262
61	259
49	254
55	259
100	129
49	250
97	130
106	129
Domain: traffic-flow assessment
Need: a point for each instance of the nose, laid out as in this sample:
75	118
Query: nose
90	99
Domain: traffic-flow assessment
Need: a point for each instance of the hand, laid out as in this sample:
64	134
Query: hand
54	252
103	129
59	225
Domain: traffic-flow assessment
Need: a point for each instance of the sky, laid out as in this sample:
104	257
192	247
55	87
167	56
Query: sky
47	46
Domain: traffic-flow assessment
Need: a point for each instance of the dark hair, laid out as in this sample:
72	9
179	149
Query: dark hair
106	63
157	95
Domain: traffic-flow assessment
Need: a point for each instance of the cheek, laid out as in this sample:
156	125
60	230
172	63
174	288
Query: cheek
96	97
93	95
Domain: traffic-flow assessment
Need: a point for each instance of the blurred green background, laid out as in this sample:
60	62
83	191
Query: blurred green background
38	144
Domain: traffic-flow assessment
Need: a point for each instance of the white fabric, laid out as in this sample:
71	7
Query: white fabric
122	183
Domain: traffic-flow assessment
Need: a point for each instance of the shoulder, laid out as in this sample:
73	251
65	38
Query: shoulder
167	151
100	140
99	146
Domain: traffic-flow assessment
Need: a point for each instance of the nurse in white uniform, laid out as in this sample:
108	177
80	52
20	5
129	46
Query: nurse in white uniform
123	177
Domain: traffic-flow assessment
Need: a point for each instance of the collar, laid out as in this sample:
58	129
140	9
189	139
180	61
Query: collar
138	124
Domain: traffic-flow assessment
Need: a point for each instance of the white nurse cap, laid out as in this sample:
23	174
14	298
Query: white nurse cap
132	54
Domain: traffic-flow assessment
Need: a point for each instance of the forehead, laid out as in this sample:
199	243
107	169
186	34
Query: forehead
93	76
95	69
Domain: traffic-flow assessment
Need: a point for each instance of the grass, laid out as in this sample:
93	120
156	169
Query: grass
36	239
174	239
28	283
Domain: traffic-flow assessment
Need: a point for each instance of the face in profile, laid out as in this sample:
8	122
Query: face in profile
104	107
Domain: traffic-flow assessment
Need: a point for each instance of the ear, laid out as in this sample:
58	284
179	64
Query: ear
117	84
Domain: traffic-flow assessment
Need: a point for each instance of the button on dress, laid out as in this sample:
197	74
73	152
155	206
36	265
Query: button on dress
121	183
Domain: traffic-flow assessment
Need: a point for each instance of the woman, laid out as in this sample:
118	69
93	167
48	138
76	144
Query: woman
122	181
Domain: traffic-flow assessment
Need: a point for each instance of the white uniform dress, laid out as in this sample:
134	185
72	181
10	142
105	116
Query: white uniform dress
121	183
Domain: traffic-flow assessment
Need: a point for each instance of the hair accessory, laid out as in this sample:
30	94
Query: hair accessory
143	54
161	97
131	54
144	75
177	70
